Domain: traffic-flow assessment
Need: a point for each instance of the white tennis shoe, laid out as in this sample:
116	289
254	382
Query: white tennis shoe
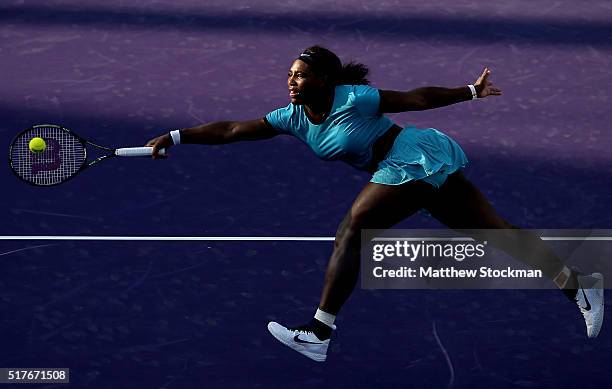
590	301
301	340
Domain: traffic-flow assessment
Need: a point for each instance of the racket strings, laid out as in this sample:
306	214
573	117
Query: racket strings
62	158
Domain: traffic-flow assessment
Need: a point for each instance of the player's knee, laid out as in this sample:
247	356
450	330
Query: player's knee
348	231
360	217
346	236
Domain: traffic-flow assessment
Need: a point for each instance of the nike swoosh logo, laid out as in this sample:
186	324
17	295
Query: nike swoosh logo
298	340
588	304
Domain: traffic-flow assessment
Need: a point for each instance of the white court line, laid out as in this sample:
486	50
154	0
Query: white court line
259	238
172	238
552	238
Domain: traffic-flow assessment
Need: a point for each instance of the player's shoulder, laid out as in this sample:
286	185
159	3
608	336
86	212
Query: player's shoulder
286	109
285	112
355	90
288	118
356	94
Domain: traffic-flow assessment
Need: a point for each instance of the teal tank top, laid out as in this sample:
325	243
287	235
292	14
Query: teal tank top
349	131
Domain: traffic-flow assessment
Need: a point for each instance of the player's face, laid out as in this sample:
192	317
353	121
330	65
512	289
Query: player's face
304	85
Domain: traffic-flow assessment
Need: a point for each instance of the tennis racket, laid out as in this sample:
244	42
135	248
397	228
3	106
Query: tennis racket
64	157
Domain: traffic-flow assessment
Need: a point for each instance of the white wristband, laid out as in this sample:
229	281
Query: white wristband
473	90
176	136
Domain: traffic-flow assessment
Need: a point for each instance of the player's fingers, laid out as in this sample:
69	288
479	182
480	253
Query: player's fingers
155	152
485	75
153	143
162	152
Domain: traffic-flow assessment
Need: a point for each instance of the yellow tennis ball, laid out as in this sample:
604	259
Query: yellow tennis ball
37	145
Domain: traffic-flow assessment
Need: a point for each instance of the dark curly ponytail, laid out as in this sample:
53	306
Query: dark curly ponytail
326	64
353	74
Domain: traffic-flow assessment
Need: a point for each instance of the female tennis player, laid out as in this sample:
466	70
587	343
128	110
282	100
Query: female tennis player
334	111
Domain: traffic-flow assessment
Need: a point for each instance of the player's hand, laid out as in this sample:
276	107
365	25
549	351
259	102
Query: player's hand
161	142
484	87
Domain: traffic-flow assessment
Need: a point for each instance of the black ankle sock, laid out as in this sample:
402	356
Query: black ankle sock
321	330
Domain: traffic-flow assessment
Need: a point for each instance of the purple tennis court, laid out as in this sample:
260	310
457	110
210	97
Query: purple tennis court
193	314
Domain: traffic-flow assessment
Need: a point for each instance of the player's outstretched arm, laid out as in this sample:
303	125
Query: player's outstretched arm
216	133
434	97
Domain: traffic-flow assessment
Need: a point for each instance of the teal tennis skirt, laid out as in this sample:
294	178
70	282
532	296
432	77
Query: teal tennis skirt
420	154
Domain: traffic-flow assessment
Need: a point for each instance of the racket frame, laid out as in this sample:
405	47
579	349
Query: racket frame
82	140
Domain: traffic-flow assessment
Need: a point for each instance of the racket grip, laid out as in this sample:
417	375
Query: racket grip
137	151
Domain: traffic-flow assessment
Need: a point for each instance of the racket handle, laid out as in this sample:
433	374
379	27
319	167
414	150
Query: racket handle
137	151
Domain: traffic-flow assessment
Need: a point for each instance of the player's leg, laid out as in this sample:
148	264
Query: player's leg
377	207
461	206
